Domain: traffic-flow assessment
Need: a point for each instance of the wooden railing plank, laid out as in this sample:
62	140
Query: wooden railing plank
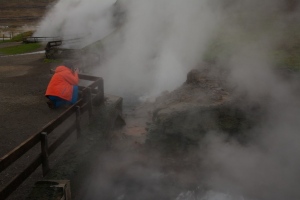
84	108
77	122
45	154
61	118
19	179
88	77
17	152
96	83
94	91
61	139
81	106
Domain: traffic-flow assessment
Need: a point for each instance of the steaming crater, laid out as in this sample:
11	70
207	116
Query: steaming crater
163	39
202	104
208	195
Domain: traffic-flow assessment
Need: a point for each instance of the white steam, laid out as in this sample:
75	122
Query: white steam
69	19
268	168
161	40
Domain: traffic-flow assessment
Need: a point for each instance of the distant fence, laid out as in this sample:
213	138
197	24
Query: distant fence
30	39
4	37
52	44
40	39
90	94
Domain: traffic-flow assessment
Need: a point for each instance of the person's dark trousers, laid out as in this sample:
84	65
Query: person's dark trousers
58	102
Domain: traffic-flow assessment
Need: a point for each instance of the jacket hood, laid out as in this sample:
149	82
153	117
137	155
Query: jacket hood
62	68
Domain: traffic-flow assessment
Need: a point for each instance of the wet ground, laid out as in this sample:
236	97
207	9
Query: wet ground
23	112
23	108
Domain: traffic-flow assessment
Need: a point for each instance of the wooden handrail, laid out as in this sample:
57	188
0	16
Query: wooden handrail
80	107
61	139
17	152
19	179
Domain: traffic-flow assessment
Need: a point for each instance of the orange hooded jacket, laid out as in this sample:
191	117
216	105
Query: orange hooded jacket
62	82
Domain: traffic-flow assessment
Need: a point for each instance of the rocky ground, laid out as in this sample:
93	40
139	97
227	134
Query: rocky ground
129	168
23	110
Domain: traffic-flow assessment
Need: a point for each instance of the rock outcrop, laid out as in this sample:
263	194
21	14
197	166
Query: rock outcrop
202	104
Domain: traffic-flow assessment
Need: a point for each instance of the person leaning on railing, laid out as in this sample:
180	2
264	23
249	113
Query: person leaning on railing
63	86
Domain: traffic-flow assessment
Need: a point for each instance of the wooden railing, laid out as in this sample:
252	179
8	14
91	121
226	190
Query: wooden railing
40	39
53	49
90	96
53	44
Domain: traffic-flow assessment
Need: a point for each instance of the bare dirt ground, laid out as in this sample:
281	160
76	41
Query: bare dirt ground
23	108
23	112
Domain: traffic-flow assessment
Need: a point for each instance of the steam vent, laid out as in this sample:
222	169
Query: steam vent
176	100
202	104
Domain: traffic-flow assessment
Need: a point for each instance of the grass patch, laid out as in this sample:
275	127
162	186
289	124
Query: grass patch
46	60
286	53
5	41
23	48
20	37
288	59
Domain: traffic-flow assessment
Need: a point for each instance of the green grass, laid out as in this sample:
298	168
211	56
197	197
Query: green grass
288	59
5	41
23	48
288	52
285	55
20	37
46	60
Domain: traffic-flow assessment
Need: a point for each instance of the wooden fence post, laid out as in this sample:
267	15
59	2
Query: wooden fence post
89	100
99	98
100	86
45	154
78	127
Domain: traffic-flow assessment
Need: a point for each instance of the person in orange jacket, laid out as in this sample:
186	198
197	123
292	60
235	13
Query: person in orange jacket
63	86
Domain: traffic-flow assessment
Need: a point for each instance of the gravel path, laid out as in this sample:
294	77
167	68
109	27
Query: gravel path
23	109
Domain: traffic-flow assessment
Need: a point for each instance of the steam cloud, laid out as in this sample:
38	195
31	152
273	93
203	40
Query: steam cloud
161	40
69	19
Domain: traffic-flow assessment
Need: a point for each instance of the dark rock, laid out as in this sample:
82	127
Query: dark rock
182	117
